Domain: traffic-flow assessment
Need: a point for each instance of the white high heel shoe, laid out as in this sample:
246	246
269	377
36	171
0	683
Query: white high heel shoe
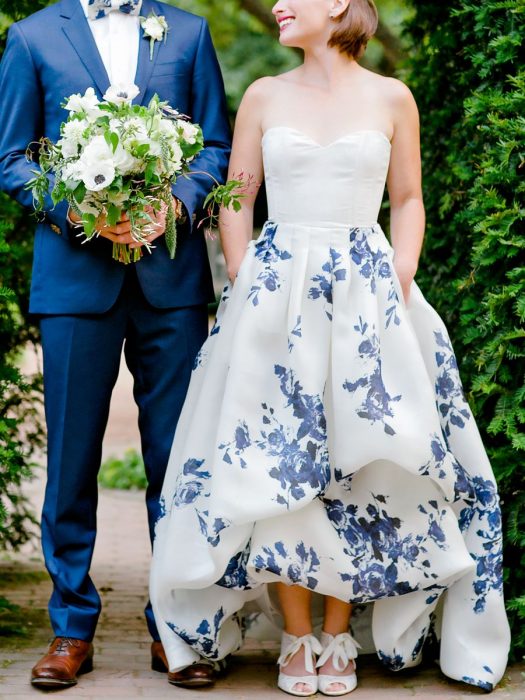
290	645
343	649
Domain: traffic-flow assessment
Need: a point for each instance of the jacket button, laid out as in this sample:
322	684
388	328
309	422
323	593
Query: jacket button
56	229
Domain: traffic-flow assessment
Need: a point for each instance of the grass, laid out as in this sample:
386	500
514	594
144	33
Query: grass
21	626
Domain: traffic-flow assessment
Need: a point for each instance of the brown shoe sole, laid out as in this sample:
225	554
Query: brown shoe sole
37	682
193	683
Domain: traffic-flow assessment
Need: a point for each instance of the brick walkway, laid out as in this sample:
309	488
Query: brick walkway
120	569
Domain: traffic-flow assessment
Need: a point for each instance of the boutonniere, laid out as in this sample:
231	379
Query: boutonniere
156	28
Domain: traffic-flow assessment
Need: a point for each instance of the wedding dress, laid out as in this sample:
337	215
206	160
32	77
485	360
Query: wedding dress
326	440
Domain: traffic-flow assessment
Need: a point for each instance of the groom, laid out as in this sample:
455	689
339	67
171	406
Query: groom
90	306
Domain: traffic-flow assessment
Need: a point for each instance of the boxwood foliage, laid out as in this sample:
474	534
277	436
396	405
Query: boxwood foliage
468	77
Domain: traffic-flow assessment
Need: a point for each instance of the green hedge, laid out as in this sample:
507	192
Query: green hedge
466	73
21	432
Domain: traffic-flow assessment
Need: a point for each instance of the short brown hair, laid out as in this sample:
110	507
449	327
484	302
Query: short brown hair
356	27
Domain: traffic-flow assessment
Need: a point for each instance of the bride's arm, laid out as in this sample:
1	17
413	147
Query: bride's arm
407	216
236	228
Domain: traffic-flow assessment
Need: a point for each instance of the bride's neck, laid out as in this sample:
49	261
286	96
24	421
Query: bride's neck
324	66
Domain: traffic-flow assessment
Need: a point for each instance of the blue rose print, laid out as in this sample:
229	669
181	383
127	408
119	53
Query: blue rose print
451	401
323	283
485	515
204	638
377	404
296	568
267	252
375	546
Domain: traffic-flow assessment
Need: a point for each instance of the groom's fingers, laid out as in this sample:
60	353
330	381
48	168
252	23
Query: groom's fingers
150	239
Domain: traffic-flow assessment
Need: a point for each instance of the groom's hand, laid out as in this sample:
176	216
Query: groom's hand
157	225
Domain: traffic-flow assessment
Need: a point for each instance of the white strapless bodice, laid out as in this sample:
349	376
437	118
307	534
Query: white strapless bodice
340	183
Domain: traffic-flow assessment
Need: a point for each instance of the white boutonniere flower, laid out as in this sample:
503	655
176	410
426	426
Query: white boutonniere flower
156	28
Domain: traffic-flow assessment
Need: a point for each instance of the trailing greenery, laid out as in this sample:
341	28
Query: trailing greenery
126	473
469	81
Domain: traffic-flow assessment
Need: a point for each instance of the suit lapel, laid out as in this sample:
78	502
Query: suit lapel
77	30
145	63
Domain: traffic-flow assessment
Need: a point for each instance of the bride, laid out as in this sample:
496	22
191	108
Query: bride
326	444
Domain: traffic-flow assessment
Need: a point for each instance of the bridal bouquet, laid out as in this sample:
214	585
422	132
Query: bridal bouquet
114	157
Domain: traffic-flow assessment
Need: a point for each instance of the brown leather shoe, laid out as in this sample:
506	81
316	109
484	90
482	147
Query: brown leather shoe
201	674
65	659
159	662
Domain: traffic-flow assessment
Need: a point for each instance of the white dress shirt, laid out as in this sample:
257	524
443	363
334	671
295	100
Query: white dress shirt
117	38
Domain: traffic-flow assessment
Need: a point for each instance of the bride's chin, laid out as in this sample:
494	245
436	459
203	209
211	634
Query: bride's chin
289	41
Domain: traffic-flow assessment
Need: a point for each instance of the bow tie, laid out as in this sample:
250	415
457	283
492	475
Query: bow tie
100	8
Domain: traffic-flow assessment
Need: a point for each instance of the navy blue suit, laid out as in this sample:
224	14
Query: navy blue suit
90	306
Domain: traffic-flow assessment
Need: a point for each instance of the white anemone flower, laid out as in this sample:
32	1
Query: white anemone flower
120	93
99	175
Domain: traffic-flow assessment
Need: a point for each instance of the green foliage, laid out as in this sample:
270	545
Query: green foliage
468	79
20	429
21	432
126	473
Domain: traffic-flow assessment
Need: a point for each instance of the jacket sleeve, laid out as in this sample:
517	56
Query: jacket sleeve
208	108
21	121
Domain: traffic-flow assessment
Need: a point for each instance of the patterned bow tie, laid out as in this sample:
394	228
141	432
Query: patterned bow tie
100	8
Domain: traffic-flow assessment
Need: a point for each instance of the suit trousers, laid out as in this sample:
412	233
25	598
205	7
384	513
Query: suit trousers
81	363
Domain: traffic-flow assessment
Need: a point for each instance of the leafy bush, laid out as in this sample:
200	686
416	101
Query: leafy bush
469	81
21	433
126	473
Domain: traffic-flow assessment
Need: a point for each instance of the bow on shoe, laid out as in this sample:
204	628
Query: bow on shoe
100	8
291	645
342	647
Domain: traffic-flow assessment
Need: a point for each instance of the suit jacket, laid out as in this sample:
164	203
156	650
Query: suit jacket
51	55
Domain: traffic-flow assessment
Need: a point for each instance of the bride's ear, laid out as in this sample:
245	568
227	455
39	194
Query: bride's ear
338	7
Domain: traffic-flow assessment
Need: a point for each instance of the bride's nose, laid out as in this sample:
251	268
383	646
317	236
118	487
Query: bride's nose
278	9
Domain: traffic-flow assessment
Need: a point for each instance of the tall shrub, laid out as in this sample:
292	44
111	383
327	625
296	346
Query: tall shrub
20	396
468	77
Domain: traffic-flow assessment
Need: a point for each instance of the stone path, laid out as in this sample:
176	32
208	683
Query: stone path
120	570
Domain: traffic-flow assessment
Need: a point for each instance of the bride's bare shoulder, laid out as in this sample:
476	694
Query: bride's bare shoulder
266	87
392	89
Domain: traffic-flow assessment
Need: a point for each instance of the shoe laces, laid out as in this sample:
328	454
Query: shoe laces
291	645
65	642
343	648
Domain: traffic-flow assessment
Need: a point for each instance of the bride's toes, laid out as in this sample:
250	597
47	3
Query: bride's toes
337	666
297	674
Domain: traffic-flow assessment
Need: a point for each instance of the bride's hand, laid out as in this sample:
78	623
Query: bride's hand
406	271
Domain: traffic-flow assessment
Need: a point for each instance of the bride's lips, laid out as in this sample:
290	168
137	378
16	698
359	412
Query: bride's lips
285	22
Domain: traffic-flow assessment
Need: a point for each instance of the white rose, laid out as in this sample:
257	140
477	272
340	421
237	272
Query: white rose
96	150
120	93
98	175
69	147
87	103
72	171
153	28
189	131
168	128
124	162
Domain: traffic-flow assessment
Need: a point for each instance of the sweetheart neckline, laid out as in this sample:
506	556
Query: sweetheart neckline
332	143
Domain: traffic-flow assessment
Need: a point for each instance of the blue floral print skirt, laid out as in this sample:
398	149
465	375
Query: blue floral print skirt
326	442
